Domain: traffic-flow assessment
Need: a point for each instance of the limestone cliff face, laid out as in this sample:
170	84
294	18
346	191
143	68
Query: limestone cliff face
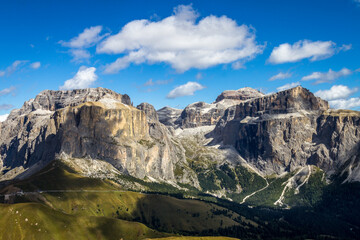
241	94
169	116
204	114
273	133
118	134
106	128
287	130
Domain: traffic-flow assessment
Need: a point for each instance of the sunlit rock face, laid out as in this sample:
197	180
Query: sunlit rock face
204	114
289	129
273	133
89	123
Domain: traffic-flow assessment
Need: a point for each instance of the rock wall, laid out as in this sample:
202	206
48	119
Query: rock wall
288	130
108	128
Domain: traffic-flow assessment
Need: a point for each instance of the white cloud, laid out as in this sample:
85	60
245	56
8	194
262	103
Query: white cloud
304	49
288	86
187	89
280	75
181	41
345	47
7	91
329	76
336	92
3	117
89	37
35	65
6	106
345	103
84	78
79	54
13	67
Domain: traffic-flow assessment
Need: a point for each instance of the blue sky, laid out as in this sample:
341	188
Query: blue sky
173	53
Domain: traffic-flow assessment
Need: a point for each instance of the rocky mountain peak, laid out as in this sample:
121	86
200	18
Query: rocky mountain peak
149	111
240	94
299	98
169	116
50	100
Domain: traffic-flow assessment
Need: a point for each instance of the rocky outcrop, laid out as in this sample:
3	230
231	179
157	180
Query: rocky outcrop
169	116
274	133
49	100
149	111
241	94
290	129
204	114
91	123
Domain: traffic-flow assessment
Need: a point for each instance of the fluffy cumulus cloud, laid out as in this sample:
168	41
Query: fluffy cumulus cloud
35	65
288	86
181	41
345	103
187	89
280	75
336	92
84	78
3	117
338	96
329	76
88	38
305	49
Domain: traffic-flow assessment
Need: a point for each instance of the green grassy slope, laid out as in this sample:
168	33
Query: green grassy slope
36	221
88	208
83	197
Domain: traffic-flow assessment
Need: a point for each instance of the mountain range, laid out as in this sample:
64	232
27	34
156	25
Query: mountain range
249	165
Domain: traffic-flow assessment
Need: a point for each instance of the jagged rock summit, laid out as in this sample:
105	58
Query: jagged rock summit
49	100
272	134
290	129
204	114
240	94
96	124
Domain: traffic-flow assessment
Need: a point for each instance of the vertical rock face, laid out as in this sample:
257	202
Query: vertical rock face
49	100
289	129
89	123
273	133
241	94
169	116
118	134
204	114
149	111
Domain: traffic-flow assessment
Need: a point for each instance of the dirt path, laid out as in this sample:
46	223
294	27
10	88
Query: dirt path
252	194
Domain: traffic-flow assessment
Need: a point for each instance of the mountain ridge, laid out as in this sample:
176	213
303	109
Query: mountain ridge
263	133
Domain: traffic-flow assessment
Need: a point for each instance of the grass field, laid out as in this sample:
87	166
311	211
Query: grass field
37	221
94	206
